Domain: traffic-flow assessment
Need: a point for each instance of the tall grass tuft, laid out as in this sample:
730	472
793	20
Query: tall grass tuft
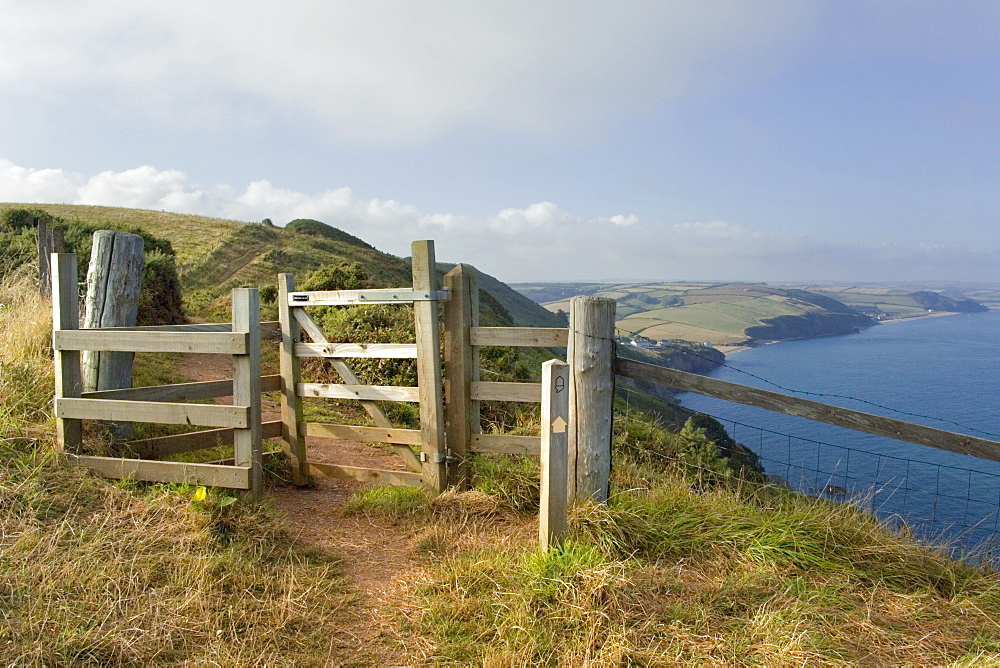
26	378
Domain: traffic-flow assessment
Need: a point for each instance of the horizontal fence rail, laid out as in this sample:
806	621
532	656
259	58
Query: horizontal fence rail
229	343
206	389
492	391
365	350
162	412
812	410
364	392
161	446
215	475
543	337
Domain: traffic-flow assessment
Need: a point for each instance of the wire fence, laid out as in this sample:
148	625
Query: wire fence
941	503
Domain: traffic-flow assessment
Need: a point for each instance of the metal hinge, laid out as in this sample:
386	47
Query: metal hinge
441	457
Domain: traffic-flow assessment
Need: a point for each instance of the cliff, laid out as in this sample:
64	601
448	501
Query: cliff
808	325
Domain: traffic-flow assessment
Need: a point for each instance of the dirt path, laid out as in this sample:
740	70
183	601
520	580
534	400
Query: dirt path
378	555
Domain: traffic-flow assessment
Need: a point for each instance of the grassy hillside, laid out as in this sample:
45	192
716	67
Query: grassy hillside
214	255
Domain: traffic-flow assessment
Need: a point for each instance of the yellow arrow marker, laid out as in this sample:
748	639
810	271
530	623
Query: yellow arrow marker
559	426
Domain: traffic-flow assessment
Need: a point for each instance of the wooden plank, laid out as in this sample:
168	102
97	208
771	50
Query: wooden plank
291	373
347	375
268	328
209	389
230	343
210	475
204	415
161	446
357	297
66	316
461	363
491	391
553	499
425	317
362	434
247	442
367	350
591	354
542	337
197	327
367	392
811	410
377	477
507	444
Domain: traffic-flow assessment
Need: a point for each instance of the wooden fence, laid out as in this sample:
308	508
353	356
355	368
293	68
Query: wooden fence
575	440
239	424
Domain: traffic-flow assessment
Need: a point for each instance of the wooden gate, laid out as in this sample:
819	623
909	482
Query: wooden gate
427	465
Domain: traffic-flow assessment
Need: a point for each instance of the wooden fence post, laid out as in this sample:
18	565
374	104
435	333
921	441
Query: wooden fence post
44	260
434	455
461	363
66	315
555	413
291	374
113	281
591	354
246	385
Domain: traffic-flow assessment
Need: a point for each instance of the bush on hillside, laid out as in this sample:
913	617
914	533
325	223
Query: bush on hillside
318	229
160	296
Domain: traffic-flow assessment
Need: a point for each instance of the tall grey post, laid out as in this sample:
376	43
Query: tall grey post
113	281
590	355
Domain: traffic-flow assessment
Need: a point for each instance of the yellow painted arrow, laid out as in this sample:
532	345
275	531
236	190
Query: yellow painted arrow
559	426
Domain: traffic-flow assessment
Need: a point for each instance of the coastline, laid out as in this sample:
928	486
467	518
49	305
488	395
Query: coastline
732	349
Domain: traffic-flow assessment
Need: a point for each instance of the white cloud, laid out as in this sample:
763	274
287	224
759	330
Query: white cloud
394	71
540	241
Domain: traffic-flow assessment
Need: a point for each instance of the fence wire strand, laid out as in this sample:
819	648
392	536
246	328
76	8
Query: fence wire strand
938	502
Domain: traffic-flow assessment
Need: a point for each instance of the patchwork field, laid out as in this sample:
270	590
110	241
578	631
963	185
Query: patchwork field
722	313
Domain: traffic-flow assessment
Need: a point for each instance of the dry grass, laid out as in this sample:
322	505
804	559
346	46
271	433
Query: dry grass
26	379
100	573
734	575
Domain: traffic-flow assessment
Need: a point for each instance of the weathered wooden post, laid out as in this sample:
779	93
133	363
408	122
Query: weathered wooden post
590	355
44	263
246	385
291	375
461	363
554	498
113	281
66	315
425	315
49	241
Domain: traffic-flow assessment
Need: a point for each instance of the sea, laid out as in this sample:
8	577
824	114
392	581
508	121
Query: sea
942	372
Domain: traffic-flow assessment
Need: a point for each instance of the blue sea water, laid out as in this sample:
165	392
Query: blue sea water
946	368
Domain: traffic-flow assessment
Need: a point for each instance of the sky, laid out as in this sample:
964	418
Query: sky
798	140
